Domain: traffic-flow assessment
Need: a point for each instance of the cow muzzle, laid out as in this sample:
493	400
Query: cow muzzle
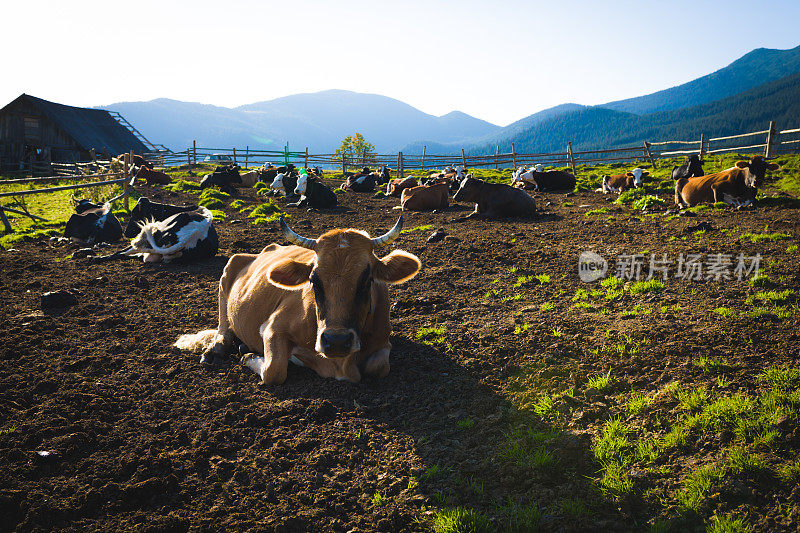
338	342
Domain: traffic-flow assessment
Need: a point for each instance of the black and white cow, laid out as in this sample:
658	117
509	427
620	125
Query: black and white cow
93	223
385	175
362	182
188	236
313	193
146	210
284	184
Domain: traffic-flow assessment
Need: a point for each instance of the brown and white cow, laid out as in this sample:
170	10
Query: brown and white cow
736	186
396	187
321	303
622	182
425	197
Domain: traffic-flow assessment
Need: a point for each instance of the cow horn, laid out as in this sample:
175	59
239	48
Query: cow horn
390	235
299	240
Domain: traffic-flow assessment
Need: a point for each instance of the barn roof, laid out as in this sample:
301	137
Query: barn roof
90	128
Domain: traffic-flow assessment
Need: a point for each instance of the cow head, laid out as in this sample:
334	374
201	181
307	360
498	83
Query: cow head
538	168
756	170
277	183
638	176
302	184
694	166
340	279
469	190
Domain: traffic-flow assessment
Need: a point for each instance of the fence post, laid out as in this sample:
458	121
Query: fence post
423	158
189	158
6	223
770	136
571	157
306	159
344	164
234	156
246	155
496	157
463	159
194	151
514	156
702	144
649	154
400	157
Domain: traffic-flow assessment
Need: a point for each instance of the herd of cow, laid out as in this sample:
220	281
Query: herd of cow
323	303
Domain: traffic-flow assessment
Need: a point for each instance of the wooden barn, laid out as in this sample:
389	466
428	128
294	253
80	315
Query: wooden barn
33	130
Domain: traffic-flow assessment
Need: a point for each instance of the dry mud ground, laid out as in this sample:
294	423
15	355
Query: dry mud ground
142	437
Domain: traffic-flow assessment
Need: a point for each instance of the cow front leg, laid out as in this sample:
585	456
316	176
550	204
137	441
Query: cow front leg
377	363
272	367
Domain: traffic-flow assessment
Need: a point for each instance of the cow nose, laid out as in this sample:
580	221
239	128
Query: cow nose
336	342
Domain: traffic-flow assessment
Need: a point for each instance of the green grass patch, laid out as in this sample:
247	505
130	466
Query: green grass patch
461	520
638	403
600	211
725	312
602	382
527	448
465	423
650	285
729	524
31	234
425	227
648	202
698	485
756	238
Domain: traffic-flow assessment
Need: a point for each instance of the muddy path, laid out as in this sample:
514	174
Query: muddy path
106	427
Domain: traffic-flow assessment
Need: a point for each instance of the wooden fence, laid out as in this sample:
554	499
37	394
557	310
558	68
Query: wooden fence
768	141
124	177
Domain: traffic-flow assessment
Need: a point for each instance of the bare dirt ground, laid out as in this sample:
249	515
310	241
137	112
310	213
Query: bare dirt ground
142	437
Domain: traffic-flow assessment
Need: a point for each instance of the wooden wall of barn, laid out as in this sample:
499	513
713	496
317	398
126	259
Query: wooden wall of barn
18	140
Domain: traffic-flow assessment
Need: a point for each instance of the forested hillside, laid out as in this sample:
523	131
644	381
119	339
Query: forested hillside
751	70
597	127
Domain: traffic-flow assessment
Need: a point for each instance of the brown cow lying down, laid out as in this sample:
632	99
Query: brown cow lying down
622	182
495	200
425	197
396	187
153	176
322	303
735	186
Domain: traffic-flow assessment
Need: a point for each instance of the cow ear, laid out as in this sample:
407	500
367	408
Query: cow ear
397	267
773	166
742	164
629	174
289	274
645	173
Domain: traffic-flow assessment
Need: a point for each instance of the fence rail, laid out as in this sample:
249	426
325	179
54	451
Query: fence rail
774	142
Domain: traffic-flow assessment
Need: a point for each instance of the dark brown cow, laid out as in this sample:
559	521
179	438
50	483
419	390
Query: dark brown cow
735	186
138	161
495	200
425	197
622	182
396	187
153	176
323	303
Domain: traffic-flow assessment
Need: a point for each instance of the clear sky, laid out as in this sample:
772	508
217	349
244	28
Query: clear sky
496	60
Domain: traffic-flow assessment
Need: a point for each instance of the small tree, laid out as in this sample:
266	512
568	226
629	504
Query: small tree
356	148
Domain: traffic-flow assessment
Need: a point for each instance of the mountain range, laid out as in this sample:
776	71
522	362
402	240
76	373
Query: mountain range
760	86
